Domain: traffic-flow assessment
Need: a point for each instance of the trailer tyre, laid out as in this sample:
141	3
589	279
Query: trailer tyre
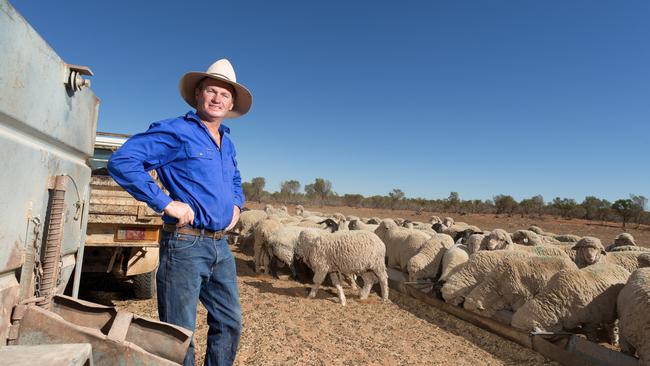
144	285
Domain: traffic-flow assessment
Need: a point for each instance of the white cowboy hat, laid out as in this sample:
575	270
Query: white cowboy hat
223	71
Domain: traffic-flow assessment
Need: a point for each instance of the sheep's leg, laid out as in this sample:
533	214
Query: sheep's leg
294	275
266	263
383	284
334	277
318	279
612	332
368	281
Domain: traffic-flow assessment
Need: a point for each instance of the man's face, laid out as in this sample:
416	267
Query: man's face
214	99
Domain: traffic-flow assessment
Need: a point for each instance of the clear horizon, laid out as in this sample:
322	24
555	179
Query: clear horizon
516	98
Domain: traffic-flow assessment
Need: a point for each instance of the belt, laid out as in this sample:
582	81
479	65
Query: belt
216	235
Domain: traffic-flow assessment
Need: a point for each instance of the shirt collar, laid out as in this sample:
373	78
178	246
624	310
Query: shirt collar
193	116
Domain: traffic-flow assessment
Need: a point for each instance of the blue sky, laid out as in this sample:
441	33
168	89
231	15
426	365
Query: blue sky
478	97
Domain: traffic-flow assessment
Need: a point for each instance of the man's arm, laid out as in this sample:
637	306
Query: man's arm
238	194
128	166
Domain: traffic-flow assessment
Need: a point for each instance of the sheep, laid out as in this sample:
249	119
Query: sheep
261	231
567	238
547	250
580	297
622	239
474	242
463	236
348	252
644	260
448	221
282	211
627	260
374	221
244	227
628	248
514	282
536	229
426	262
401	243
634	317
457	228
435	219
498	239
589	250
300	211
359	225
282	243
466	276
526	237
453	257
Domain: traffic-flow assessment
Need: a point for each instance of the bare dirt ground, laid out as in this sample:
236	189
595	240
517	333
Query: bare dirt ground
283	327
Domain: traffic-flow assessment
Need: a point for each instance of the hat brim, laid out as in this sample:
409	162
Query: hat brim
243	98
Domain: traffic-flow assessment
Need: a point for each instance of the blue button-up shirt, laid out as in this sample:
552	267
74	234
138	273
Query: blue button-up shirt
189	164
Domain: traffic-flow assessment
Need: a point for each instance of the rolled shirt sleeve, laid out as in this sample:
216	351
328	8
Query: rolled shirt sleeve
141	153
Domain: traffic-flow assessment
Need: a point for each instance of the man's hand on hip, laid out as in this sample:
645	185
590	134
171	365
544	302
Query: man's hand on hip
181	211
235	217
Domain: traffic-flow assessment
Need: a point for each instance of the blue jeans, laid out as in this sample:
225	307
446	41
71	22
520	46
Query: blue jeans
194	268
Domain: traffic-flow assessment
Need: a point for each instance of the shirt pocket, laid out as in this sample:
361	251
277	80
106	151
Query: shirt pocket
201	163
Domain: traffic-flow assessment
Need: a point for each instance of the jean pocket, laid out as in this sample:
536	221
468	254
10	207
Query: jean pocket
182	241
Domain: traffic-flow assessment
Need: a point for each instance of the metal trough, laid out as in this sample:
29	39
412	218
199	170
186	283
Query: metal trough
570	350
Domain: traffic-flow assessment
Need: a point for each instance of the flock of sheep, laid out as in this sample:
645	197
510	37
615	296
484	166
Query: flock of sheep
533	280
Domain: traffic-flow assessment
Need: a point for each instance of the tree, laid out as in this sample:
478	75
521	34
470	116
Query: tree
452	203
289	189
257	189
321	188
565	206
594	208
505	204
352	200
396	195
625	209
531	205
640	203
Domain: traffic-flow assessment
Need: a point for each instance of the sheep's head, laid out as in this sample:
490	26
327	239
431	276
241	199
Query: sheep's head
624	239
385	225
330	224
448	221
299	210
438	227
589	250
498	239
463	236
435	220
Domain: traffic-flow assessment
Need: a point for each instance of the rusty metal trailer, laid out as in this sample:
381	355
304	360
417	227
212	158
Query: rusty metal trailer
48	118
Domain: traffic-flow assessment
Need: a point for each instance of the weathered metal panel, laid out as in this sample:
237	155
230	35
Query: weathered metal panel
72	354
45	131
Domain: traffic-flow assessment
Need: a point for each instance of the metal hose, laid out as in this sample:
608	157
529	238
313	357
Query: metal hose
52	252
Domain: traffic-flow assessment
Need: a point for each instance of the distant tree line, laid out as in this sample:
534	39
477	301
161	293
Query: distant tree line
319	193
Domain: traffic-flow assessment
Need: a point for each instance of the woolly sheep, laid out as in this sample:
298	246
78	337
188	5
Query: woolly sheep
282	243
526	237
622	239
401	243
536	229
374	221
300	211
244	227
261	231
282	211
448	221
634	317
435	219
466	276
452	259
589	250
546	250
629	248
514	282
567	238
474	243
581	297
348	252
627	260
497	239
644	260
426	262
359	225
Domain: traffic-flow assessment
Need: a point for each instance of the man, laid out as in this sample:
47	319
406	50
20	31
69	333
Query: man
195	161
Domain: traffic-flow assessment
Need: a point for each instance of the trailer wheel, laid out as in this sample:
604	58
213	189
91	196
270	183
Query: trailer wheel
144	285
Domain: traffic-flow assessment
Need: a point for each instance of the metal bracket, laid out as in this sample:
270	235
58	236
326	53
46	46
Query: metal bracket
73	80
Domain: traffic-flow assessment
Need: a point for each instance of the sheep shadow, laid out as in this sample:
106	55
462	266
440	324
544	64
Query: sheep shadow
265	286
